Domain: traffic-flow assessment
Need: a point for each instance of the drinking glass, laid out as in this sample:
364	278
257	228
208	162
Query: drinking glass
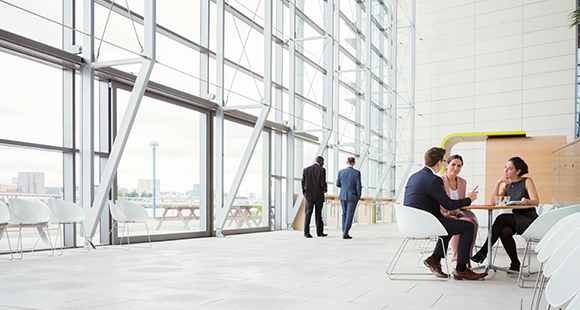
498	200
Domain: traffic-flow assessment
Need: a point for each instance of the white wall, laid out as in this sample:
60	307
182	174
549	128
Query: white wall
493	65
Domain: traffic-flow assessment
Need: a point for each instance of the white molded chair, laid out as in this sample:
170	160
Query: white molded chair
415	224
128	212
65	212
537	230
556	230
4	221
26	213
574	303
564	284
551	243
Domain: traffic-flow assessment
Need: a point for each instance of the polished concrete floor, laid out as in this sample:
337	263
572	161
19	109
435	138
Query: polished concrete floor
272	270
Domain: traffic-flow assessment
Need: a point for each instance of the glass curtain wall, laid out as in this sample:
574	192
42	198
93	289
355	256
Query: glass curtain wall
273	84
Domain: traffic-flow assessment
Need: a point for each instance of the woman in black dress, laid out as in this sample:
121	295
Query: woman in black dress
523	191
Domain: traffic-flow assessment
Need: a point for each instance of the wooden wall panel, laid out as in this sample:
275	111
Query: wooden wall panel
566	173
535	151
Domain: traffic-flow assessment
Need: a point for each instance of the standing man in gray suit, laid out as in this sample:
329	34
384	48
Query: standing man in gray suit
313	188
350	192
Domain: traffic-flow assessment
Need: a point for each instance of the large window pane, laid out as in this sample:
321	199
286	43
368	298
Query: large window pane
177	165
248	206
31	101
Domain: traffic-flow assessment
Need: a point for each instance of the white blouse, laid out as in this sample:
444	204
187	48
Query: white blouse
453	194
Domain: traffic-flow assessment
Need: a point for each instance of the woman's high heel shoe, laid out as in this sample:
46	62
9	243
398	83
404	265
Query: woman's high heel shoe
479	257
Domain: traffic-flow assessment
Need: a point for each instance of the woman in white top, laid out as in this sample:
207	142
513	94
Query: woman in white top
456	188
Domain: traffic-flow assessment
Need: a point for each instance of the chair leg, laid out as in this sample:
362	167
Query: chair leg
539	280
526	248
59	238
148	236
128	236
395	259
115	224
19	243
528	255
125	225
445	257
49	240
5	230
87	244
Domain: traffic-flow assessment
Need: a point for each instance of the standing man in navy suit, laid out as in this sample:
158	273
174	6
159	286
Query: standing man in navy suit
350	192
313	188
425	191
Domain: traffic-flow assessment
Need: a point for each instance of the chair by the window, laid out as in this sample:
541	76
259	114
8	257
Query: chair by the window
26	213
65	212
4	221
537	230
127	212
415	224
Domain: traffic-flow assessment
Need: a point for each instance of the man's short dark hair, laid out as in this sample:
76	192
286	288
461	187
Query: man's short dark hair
433	156
320	160
350	160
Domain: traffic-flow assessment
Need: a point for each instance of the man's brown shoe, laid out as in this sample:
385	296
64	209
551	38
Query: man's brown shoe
468	274
435	267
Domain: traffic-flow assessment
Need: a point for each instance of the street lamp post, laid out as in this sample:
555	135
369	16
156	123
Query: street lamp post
154	145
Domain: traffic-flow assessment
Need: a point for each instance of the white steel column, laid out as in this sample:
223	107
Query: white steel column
68	117
266	159
205	221
86	123
368	96
127	122
290	138
328	78
266	179
107	132
279	117
219	116
360	68
384	107
338	162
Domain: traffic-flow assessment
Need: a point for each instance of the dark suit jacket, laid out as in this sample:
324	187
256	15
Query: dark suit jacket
350	185
314	182
425	191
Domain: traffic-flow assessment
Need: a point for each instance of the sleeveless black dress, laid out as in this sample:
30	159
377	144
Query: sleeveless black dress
523	217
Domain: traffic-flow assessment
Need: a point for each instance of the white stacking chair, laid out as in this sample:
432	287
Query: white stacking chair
26	213
537	230
4	221
548	246
564	285
65	212
574	303
127	212
415	224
